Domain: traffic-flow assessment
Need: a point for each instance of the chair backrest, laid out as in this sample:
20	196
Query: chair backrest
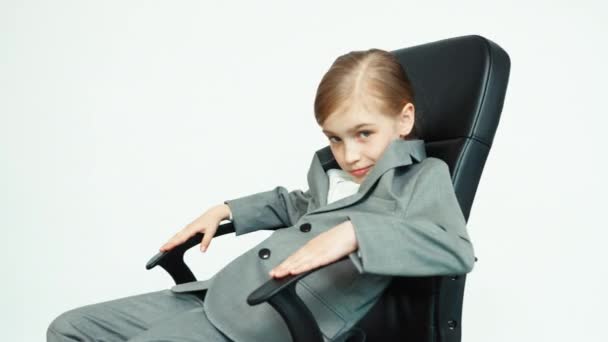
460	85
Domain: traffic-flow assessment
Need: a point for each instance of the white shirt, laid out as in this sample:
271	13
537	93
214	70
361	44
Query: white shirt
341	184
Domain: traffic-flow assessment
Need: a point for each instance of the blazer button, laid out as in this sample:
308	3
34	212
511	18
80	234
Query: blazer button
264	253
305	227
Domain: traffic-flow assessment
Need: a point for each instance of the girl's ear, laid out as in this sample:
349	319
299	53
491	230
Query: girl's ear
406	119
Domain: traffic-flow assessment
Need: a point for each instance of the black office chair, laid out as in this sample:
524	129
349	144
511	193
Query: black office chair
460	85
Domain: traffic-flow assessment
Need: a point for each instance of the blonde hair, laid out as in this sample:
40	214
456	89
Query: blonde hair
373	77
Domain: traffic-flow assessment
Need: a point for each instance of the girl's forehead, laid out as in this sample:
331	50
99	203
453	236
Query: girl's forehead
348	121
353	116
361	104
355	111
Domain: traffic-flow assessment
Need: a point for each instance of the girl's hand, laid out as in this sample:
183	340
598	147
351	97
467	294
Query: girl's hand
207	224
323	249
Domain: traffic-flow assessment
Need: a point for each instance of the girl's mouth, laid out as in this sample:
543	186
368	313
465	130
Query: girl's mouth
360	172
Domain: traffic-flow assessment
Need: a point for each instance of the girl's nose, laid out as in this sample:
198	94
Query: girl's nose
351	153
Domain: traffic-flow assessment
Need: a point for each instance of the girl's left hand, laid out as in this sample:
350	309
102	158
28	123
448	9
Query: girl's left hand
323	249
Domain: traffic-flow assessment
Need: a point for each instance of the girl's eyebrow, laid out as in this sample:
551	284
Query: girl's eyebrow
352	129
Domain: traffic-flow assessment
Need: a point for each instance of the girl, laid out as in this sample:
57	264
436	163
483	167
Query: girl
373	196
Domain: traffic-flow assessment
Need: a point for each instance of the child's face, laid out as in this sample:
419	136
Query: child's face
359	137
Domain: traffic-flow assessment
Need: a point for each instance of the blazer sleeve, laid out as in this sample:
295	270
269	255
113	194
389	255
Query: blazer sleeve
272	209
427	237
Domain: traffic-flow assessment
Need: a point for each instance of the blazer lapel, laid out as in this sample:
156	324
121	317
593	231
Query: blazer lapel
398	153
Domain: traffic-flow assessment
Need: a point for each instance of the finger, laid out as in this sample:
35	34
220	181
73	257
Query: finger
168	245
205	243
283	268
208	235
279	273
286	266
280	270
301	268
301	255
309	262
177	239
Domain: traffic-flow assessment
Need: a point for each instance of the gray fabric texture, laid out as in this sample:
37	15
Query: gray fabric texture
156	316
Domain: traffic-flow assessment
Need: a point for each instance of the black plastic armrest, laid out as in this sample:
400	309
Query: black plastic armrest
281	295
173	260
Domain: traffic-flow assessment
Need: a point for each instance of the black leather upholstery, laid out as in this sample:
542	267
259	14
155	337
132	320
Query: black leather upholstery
460	86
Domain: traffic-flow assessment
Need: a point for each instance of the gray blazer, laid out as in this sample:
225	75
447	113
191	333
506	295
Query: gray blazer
407	222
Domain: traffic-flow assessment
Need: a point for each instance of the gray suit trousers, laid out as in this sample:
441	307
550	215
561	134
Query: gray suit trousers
156	316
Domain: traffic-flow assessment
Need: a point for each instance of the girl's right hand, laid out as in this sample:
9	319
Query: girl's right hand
207	224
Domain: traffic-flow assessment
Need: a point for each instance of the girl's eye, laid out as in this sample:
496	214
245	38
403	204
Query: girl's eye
368	133
363	134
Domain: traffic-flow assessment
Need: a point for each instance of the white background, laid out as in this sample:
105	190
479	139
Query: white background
122	121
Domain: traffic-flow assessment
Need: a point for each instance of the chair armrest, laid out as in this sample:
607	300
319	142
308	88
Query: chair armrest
173	261
281	295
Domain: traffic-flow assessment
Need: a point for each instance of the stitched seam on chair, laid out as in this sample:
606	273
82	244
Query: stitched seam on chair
459	161
486	85
457	138
479	141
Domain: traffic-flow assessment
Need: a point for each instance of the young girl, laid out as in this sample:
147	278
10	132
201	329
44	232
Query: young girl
373	196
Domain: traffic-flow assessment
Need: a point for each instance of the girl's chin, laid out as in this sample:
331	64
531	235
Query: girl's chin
359	179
